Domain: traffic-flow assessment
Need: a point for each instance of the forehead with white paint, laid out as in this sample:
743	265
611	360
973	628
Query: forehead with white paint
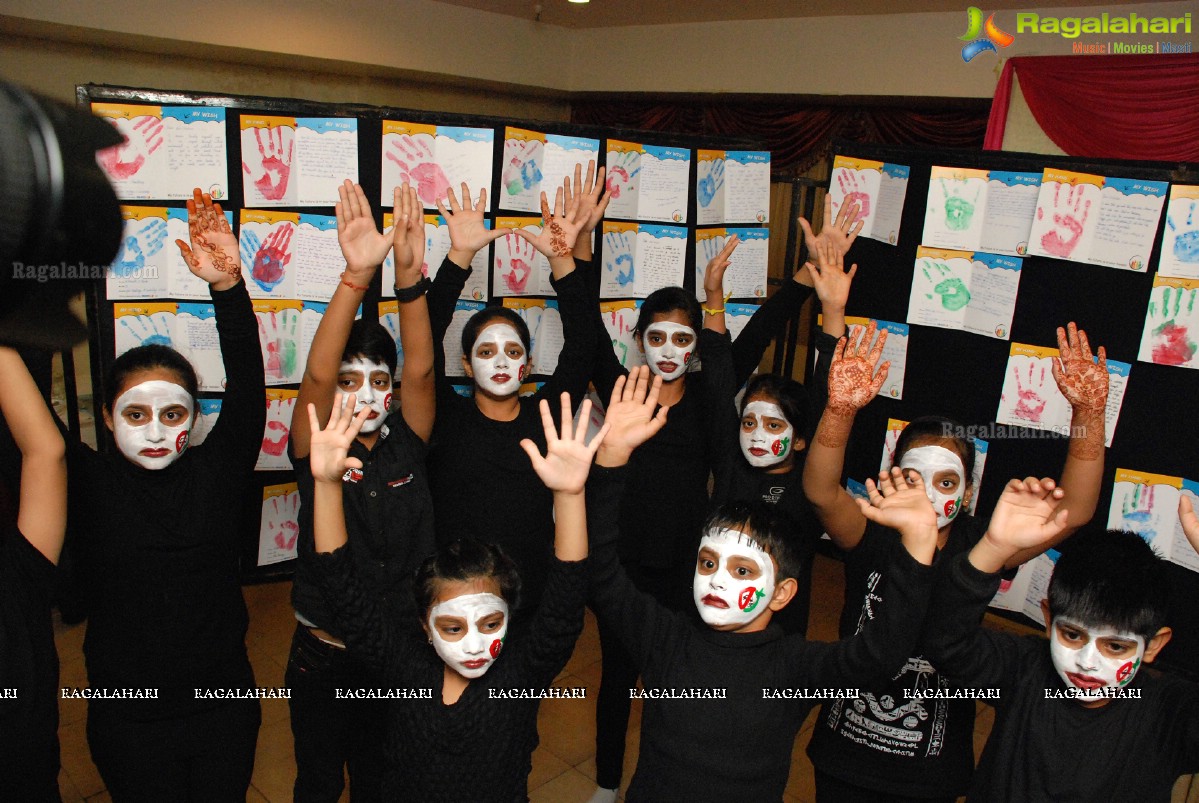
364	366
928	460
499	335
470	607
668	330
730	543
157	394
764	409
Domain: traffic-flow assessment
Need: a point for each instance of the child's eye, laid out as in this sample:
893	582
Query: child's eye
485	352
682	340
742	571
515	353
747	423
775	426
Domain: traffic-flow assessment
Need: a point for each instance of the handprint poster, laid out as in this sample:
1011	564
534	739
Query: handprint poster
1171	323
1031	397
1098	220
207	412
297	161
519	268
641	258
279	336
266	241
318	258
1024	592
535	162
620	319
268	155
452	342
437	246
1180	245
144	324
196	334
311	313
545	332
745	276
280	406
746	187
279	526
140	269
181	282
389	319
895	426
167	151
879	190
971	292
647	182
736	316
957	203
1010	209
709	187
895	351
1147	504
434	159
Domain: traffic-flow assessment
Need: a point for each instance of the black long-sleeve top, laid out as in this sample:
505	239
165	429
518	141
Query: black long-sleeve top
738	747
1046	748
480	748
159	553
483	484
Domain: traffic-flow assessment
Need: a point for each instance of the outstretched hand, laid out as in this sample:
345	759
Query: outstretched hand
568	457
407	235
899	505
1026	516
840	234
630	416
329	448
1190	522
468	233
1080	379
558	230
591	197
829	277
717	265
852	381
362	244
212	254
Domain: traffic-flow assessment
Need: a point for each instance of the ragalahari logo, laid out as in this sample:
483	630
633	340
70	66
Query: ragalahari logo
980	37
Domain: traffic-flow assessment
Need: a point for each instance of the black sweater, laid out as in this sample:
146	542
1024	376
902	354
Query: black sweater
159	550
1055	749
739	747
447	752
482	482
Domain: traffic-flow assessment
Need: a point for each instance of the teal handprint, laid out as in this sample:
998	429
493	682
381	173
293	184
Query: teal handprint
952	291
959	212
1186	242
711	179
618	256
1172	344
144	330
139	245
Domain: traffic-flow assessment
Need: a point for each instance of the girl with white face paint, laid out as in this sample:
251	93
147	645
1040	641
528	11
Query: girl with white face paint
485	678
159	550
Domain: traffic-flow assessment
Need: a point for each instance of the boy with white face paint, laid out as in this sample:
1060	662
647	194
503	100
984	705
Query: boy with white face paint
1081	719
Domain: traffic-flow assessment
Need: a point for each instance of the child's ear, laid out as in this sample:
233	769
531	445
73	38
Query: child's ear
799	444
108	418
966	497
470	372
1048	618
784	592
1159	640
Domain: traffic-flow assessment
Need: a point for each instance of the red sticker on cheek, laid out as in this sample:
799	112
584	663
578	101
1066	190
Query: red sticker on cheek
1124	672
686	358
746	597
181	442
496	646
520	374
387	402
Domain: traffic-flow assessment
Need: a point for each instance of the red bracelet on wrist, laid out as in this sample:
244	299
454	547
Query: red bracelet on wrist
351	285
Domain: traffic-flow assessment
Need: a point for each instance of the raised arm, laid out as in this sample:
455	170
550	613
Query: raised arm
418	397
852	384
592	200
832	283
364	248
42	516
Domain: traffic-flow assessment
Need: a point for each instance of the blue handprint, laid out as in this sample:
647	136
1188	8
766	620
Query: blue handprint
530	174
144	330
1186	243
250	243
138	246
618	256
711	182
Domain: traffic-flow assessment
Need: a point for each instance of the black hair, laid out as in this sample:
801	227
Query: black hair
791	397
1111	578
148	358
668	299
937	427
763	524
370	340
480	319
461	560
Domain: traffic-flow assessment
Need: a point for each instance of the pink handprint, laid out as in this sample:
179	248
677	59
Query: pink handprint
272	257
1030	404
519	266
417	167
275	152
854	194
1065	220
142	138
278	426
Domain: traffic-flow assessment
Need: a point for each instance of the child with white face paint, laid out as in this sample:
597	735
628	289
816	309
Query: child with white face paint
937	459
152	421
498	360
486	686
1106	613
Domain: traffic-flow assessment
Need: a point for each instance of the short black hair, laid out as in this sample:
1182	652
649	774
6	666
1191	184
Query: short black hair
937	428
1111	578
147	358
762	523
461	560
665	300
479	321
789	395
370	340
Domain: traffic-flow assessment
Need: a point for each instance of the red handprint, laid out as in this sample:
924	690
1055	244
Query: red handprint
854	194
286	537
519	265
1065	220
1030	404
272	257
275	155
417	167
143	136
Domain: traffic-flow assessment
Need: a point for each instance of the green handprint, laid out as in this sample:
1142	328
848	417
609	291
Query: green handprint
952	290
1172	344
959	212
1138	505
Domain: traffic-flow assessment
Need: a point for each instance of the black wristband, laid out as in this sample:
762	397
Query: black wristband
414	292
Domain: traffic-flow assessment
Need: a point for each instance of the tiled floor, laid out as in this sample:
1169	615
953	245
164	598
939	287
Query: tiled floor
563	766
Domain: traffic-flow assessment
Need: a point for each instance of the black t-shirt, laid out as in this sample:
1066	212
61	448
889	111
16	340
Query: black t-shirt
28	660
886	740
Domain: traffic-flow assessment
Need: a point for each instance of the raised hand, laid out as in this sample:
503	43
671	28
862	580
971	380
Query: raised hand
1190	522
408	235
417	167
839	233
275	152
631	418
591	199
568	457
717	265
898	504
1069	218
852	381
213	253
468	232
330	447
1026	516
362	244
1078	377
559	230
829	277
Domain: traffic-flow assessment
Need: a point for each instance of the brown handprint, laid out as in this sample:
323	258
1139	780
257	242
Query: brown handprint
124	161
1030	403
1062	240
417	166
1079	378
275	152
852	381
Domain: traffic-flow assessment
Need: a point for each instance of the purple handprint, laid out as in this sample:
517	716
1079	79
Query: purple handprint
415	160
1063	239
519	265
853	193
142	138
275	152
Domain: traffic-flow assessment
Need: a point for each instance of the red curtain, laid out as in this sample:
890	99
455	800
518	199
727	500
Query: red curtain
1116	107
797	134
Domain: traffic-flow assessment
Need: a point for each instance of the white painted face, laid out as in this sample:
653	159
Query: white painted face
368	383
1090	659
152	421
468	632
766	434
668	347
734	578
945	494
498	360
